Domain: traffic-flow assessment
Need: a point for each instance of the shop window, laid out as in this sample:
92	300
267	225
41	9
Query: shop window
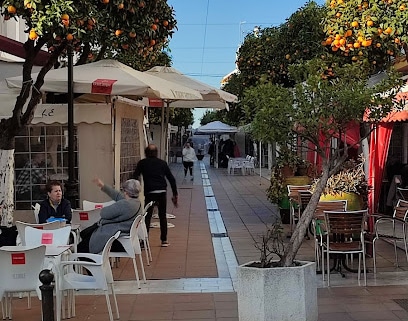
129	148
41	154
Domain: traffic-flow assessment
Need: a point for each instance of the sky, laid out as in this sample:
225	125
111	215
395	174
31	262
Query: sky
210	32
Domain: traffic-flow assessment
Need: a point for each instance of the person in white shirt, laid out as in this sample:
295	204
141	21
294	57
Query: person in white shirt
189	156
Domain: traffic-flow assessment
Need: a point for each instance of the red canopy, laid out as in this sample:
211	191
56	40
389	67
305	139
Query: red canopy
15	48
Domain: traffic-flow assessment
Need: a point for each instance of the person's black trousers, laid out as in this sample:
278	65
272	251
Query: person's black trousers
160	200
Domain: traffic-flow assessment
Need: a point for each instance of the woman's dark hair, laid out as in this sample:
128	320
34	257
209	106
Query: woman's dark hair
151	151
51	184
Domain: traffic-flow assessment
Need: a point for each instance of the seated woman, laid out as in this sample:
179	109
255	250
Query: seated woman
116	217
55	205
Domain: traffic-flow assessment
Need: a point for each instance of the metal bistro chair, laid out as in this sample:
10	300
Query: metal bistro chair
345	235
402	193
293	195
392	229
317	230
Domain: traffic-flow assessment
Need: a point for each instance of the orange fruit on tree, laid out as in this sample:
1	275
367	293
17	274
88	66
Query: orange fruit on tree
370	23
329	41
396	40
64	17
121	6
11	9
337	37
354	24
33	34
28	5
154	26
348	33
287	56
388	30
118	32
356	45
105	1
402	7
338	14
165	23
380	31
152	42
378	45
132	34
70	37
342	41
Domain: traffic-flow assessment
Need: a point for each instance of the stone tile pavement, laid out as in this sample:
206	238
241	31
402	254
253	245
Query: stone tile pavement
217	222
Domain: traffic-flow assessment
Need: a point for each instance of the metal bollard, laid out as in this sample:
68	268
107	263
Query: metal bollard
46	277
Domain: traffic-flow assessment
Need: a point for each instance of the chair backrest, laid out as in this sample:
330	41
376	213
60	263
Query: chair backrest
105	257
294	189
134	238
21	226
401	209
20	269
402	193
85	218
147	206
347	223
88	205
304	198
340	205
36	211
36	237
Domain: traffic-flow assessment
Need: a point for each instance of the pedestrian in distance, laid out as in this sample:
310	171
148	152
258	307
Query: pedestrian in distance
189	156
155	171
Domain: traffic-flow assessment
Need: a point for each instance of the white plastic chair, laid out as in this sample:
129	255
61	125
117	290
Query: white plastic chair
131	244
235	164
36	210
85	218
143	235
45	226
88	205
19	273
36	237
249	166
101	278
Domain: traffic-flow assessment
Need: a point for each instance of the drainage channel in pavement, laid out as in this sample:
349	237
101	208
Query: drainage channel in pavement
223	251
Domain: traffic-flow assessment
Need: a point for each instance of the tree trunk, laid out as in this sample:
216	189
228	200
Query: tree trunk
301	227
6	186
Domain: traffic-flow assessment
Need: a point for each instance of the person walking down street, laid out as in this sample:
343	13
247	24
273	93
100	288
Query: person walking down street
55	205
189	156
116	217
155	171
211	151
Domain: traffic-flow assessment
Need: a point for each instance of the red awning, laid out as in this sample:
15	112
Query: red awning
15	48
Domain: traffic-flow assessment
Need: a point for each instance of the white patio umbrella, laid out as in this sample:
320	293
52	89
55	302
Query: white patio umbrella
110	77
212	97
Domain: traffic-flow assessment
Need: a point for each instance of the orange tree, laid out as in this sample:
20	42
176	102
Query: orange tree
265	56
372	31
91	28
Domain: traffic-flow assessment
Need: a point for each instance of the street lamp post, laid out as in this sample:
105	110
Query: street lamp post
72	183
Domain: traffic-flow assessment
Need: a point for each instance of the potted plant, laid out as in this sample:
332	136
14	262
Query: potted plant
267	291
349	183
288	114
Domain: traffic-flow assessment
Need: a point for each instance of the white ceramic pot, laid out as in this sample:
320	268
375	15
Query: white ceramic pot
277	294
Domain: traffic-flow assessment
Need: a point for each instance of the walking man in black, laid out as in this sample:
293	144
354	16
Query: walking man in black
155	171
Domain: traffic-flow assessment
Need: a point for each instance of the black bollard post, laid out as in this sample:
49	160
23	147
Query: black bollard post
46	277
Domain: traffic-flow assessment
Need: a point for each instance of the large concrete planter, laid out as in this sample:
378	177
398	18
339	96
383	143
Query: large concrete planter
277	294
